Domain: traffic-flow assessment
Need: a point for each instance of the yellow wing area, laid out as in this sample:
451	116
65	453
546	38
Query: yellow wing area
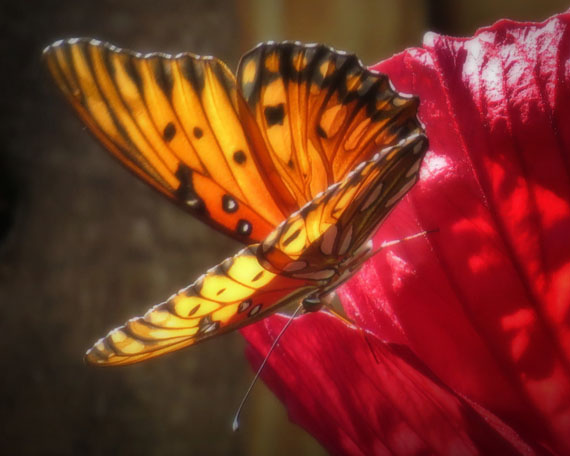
235	293
320	112
174	122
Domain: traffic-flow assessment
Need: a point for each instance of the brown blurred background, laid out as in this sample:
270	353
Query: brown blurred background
84	245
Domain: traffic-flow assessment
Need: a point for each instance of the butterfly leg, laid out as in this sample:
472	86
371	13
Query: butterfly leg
332	305
235	422
344	318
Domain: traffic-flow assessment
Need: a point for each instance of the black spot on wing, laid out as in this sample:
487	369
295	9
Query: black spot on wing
274	114
322	133
229	204
197	132
185	192
244	227
169	132
239	157
194	310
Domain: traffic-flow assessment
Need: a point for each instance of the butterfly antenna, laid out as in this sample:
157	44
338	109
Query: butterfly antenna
397	241
235	423
354	324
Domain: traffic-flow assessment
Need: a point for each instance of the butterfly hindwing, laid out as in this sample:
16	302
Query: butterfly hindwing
369	193
315	242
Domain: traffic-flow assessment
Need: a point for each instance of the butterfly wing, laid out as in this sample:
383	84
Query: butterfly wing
371	191
174	122
320	112
235	293
317	242
303	256
307	116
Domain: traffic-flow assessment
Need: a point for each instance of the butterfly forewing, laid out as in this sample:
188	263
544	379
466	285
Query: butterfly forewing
243	156
320	112
174	122
237	292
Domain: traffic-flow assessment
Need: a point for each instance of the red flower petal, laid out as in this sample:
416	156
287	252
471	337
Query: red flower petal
327	377
484	302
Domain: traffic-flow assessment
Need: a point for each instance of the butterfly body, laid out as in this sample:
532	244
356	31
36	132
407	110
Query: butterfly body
300	157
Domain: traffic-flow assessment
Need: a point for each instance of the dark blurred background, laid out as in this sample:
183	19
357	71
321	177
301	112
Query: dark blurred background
84	245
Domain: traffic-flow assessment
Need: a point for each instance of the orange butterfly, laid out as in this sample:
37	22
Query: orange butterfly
300	156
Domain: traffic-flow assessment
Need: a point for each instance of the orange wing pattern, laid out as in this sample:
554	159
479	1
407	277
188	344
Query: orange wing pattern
235	293
320	112
174	122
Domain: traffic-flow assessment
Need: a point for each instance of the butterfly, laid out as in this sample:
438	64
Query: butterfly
300	156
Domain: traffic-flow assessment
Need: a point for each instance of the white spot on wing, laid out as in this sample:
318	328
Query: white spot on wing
372	197
414	168
295	266
401	193
255	310
211	327
328	239
346	241
419	147
316	275
360	167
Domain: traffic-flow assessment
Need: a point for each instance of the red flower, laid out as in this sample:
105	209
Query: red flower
471	323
